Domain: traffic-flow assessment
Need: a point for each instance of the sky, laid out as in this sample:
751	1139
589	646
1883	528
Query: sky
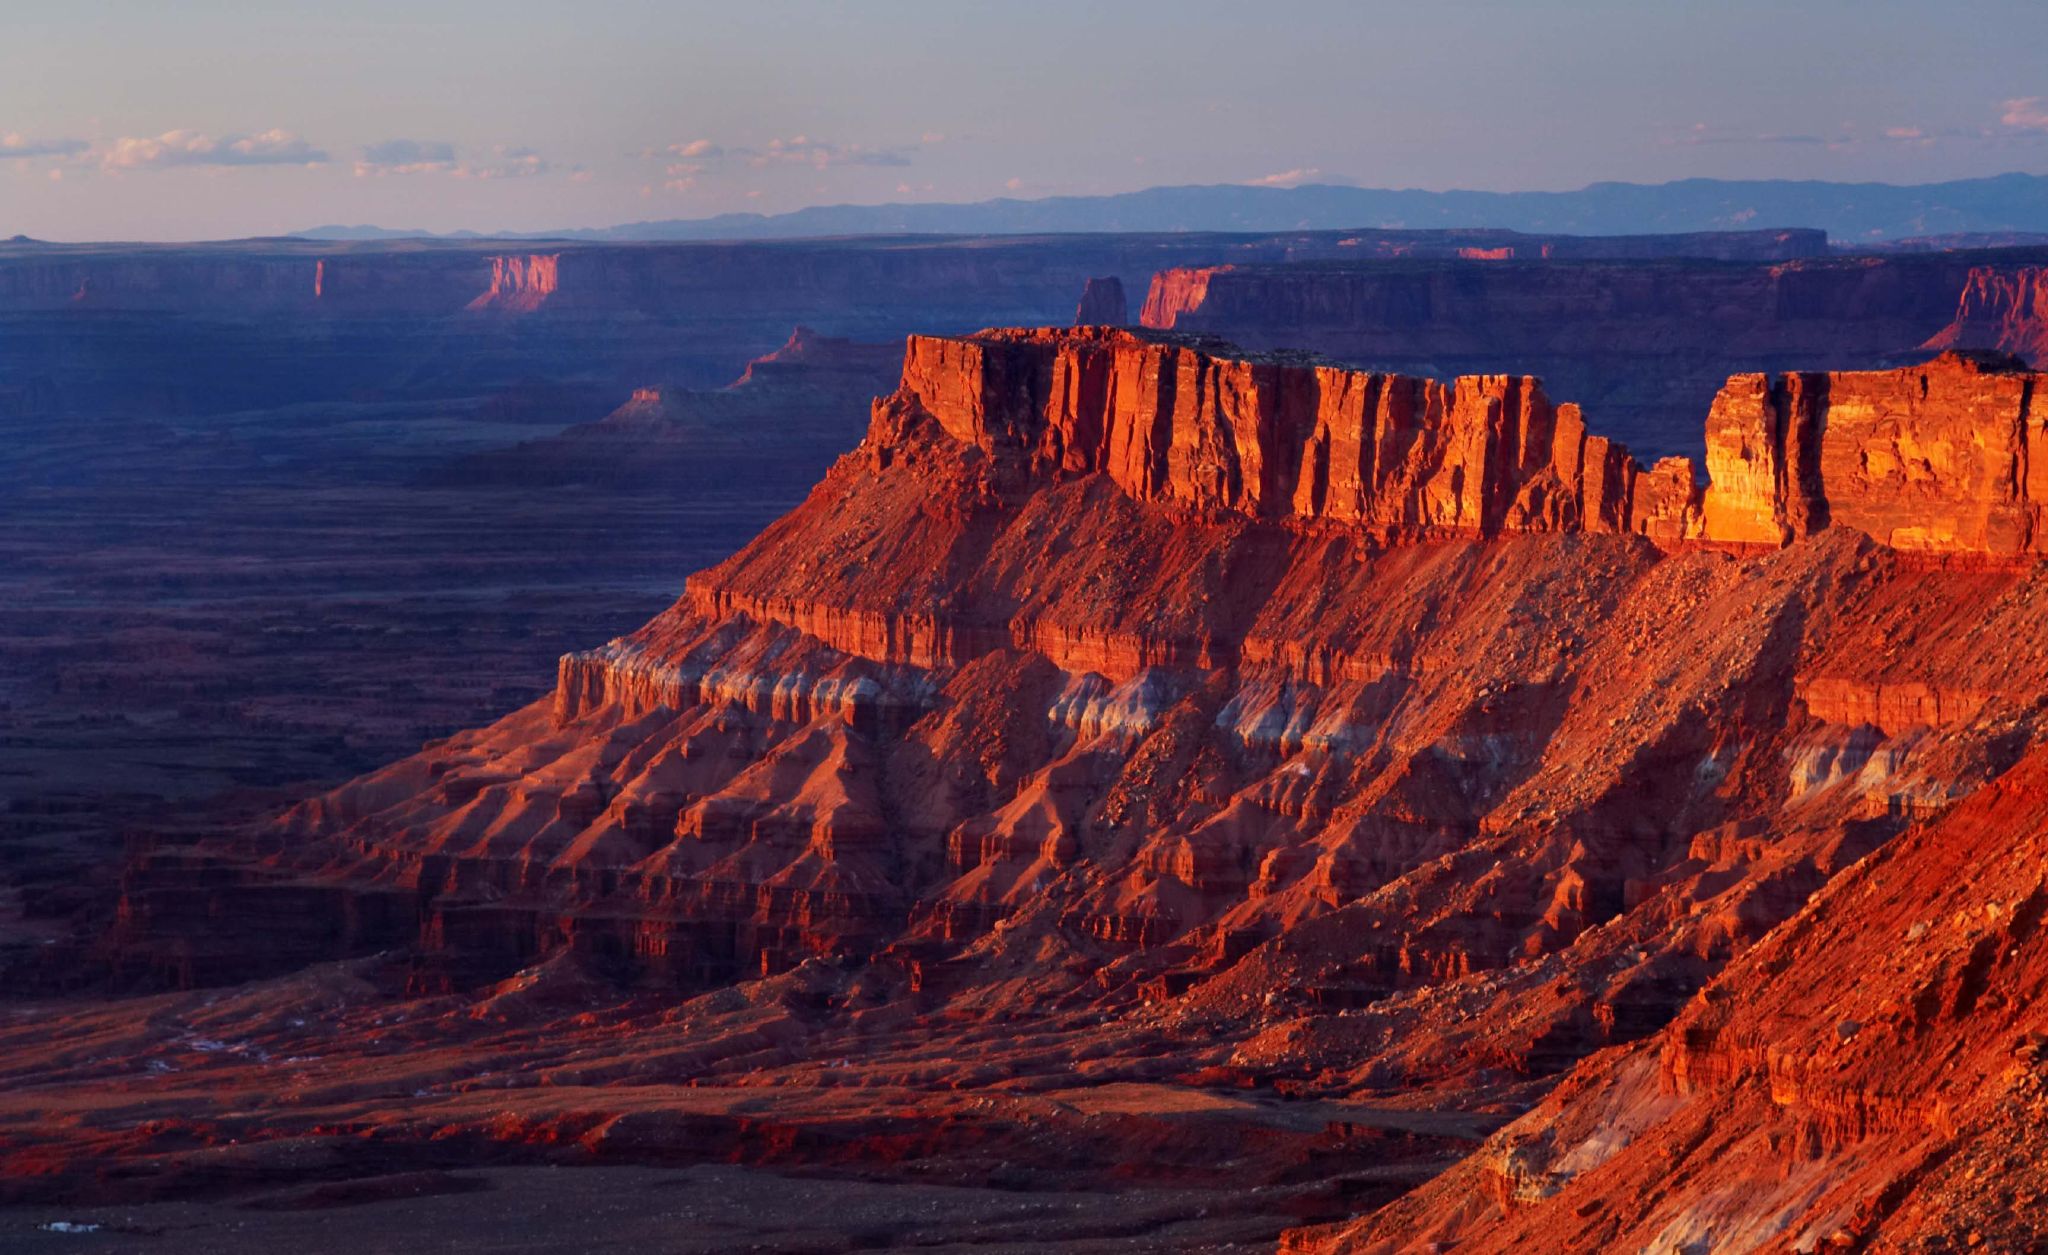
209	119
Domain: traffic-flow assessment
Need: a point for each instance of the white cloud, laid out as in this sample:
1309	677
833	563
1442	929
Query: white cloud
195	148
15	144
2025	119
2027	113
695	148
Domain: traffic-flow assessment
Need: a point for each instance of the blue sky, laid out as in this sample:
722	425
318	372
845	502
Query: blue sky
197	119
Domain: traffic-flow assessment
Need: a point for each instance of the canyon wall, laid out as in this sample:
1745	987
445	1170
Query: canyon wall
1641	330
445	276
1191	425
1103	304
1844	304
1644	345
1869	1077
197	329
1939	458
1935	459
519	284
2003	308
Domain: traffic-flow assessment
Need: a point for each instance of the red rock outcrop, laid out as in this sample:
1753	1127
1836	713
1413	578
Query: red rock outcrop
1175	295
1103	304
2002	308
1934	459
1873	1075
1178	423
520	285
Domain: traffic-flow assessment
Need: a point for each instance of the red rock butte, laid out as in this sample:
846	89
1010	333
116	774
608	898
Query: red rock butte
519	284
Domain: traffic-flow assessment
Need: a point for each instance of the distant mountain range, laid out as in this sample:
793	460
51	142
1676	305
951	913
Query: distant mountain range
1849	212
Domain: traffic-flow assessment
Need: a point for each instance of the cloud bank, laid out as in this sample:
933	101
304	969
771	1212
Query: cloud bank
195	148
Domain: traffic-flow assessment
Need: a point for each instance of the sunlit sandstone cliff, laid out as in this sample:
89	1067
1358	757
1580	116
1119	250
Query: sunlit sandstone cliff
2002	308
1936	458
1363	734
1179	424
1869	1077
520	284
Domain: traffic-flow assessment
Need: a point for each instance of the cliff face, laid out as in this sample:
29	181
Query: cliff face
2000	308
220	327
1643	344
1177	295
1936	459
1867	1078
1535	307
1103	304
1932	459
1173	422
181	330
521	284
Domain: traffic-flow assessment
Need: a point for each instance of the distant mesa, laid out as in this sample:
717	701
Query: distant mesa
1103	304
2001	308
520	285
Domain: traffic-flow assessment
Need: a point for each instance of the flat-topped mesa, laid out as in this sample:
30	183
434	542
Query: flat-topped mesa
1103	304
1194	424
521	284
1175	292
1931	459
